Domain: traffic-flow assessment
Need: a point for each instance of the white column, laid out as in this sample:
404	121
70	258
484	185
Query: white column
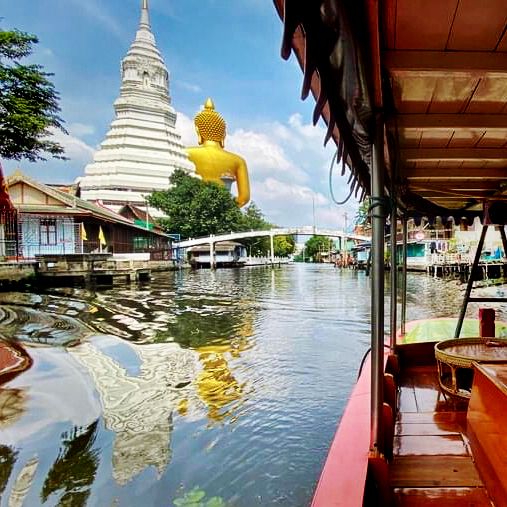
272	245
212	264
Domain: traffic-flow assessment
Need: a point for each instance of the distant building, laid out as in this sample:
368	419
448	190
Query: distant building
227	254
140	217
142	148
49	221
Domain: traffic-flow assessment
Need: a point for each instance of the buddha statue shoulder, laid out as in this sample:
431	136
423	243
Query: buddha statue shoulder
212	161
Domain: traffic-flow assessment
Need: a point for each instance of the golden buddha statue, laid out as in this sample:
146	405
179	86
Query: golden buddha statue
212	162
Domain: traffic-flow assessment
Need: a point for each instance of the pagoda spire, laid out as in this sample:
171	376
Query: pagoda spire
145	15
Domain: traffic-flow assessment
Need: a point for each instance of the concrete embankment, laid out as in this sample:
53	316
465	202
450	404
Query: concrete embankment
80	269
14	273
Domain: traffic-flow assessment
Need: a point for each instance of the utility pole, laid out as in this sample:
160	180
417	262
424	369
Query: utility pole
313	204
345	259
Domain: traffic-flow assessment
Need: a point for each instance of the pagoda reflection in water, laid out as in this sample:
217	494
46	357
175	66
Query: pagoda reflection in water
138	408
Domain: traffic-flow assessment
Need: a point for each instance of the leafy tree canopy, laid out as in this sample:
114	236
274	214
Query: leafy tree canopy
253	219
363	213
316	245
196	208
284	245
28	102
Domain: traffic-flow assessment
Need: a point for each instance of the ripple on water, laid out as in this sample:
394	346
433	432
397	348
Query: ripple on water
232	381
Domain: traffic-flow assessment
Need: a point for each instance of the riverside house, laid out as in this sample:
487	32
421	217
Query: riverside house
52	221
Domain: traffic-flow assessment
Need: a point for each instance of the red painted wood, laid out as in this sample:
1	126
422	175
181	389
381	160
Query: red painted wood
487	420
343	477
486	322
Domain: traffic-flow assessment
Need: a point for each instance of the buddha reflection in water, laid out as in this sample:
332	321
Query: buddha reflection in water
217	387
212	161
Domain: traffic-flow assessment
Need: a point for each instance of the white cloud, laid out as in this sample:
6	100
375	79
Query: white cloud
80	129
307	131
186	129
188	86
75	149
272	189
288	168
96	11
264	156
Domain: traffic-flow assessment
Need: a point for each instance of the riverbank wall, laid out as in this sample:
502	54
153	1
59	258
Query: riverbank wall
81	270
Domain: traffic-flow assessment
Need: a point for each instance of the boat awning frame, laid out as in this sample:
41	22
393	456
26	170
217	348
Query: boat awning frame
437	72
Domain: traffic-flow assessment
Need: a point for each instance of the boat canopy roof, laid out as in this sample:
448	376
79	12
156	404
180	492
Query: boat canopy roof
436	70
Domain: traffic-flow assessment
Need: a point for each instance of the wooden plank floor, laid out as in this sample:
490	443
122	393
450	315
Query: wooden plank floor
432	463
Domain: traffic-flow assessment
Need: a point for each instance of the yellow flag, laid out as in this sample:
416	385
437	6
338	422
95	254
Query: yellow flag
102	238
84	236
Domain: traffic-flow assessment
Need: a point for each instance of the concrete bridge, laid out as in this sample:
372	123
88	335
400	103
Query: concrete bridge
271	233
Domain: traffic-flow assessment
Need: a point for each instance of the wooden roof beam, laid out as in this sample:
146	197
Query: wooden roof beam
455	173
452	121
472	154
479	62
458	185
452	194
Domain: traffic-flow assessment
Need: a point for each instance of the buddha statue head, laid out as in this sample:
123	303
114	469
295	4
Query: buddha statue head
214	163
210	125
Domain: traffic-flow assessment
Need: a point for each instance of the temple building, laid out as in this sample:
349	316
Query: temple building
142	147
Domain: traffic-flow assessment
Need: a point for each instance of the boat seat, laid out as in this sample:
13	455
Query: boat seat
486	423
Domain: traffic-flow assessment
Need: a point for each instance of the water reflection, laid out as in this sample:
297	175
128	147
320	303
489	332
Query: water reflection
12	406
124	397
137	405
23	483
40	328
8	457
216	385
73	472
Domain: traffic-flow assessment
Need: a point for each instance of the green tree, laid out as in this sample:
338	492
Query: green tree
253	220
284	245
28	102
195	208
363	213
317	245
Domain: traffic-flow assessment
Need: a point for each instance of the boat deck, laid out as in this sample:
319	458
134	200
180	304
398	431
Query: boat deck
432	461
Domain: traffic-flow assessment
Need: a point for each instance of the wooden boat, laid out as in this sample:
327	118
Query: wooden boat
414	97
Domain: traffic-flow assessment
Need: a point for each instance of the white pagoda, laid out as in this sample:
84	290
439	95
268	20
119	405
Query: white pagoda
142	147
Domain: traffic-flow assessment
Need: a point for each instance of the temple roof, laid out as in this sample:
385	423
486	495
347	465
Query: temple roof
142	146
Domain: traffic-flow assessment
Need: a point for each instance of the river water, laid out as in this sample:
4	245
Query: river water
217	388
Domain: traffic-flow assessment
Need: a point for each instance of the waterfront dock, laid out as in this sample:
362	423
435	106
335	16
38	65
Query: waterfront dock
459	266
96	269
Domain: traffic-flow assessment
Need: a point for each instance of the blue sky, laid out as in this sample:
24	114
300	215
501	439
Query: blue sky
226	49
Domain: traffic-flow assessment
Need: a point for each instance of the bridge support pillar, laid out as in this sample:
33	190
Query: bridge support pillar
272	246
212	260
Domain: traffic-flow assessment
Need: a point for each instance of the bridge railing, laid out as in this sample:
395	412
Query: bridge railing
288	231
255	260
